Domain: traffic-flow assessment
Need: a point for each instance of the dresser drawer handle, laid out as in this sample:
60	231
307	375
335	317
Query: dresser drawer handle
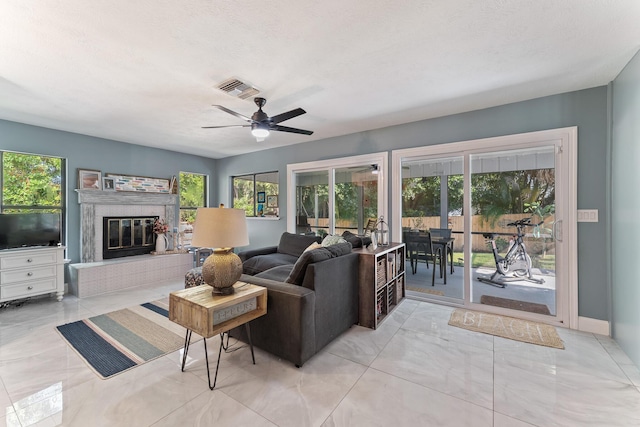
29	260
30	274
29	287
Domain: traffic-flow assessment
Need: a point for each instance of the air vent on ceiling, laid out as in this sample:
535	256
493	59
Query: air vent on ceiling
238	88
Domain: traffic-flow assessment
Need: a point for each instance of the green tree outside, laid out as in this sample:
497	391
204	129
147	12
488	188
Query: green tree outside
30	182
192	195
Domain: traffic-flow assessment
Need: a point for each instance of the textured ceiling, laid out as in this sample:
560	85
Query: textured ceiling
145	71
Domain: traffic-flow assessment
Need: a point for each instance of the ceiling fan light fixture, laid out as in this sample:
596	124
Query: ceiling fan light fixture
259	131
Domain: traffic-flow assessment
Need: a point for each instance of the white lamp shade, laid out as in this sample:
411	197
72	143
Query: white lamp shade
220	228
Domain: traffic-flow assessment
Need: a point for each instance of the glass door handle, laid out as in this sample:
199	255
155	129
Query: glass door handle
557	225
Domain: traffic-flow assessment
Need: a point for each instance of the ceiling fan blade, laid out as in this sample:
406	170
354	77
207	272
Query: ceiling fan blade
291	130
288	115
226	110
229	126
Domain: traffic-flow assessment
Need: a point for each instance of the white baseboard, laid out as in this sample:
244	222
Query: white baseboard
595	326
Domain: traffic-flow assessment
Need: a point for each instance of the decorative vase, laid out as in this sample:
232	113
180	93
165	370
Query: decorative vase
161	243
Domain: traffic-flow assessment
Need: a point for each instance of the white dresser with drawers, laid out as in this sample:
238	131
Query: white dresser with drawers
30	272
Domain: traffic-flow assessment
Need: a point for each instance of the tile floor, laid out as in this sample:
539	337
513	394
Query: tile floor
415	370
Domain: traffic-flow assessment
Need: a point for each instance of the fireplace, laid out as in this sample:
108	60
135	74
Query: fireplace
127	235
96	204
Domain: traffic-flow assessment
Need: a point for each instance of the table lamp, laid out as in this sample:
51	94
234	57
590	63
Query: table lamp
221	229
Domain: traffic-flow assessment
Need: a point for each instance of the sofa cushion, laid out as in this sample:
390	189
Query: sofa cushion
278	274
332	240
260	263
295	244
300	267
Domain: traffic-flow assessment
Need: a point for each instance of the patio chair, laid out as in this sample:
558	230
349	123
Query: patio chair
370	227
419	248
437	233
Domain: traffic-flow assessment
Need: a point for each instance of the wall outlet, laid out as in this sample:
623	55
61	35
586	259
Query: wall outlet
587	215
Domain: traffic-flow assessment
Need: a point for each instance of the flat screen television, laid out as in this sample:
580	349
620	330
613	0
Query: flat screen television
21	230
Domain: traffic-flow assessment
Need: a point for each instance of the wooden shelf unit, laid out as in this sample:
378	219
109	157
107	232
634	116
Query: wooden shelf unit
381	282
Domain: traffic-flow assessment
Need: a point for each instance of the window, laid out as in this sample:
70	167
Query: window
257	194
32	184
337	195
193	195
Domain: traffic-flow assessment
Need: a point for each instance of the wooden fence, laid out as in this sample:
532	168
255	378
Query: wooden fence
479	225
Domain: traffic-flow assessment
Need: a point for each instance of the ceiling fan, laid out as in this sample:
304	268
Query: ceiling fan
261	124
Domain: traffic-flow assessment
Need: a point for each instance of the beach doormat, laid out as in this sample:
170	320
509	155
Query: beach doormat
507	327
118	341
514	304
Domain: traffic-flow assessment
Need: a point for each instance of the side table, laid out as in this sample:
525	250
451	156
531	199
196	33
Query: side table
199	311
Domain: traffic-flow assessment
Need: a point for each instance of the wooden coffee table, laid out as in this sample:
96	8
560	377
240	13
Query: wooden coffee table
199	311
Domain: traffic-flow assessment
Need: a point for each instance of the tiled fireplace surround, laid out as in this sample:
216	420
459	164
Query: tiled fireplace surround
96	276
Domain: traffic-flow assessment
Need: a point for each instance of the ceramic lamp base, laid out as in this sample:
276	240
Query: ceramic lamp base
221	270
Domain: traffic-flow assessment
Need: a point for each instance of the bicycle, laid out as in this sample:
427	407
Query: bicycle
516	260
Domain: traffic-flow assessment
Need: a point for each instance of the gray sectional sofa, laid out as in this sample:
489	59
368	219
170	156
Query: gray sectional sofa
312	296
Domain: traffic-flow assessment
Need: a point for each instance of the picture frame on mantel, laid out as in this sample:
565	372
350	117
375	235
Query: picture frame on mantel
108	184
89	179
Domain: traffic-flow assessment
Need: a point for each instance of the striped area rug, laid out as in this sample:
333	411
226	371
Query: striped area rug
118	341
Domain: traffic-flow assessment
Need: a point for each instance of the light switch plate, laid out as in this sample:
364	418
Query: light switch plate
587	215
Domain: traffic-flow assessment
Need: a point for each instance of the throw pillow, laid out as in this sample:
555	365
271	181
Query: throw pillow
339	249
300	267
355	241
332	240
314	245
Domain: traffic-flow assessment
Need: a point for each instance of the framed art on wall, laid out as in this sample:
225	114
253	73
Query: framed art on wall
272	201
89	179
261	196
140	183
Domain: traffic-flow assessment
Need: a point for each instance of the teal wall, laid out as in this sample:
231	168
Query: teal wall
87	152
625	209
586	109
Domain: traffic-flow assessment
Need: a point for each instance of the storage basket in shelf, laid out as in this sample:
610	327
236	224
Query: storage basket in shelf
381	299
381	272
400	288
391	266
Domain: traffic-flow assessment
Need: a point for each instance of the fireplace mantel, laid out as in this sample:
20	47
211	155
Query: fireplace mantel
98	197
91	225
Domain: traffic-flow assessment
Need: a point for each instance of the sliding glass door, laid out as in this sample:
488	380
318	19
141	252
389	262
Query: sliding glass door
355	197
513	199
509	204
432	196
338	195
312	202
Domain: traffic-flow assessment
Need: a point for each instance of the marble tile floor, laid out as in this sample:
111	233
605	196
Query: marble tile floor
414	370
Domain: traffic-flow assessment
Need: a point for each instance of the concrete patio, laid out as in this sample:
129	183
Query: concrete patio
521	290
